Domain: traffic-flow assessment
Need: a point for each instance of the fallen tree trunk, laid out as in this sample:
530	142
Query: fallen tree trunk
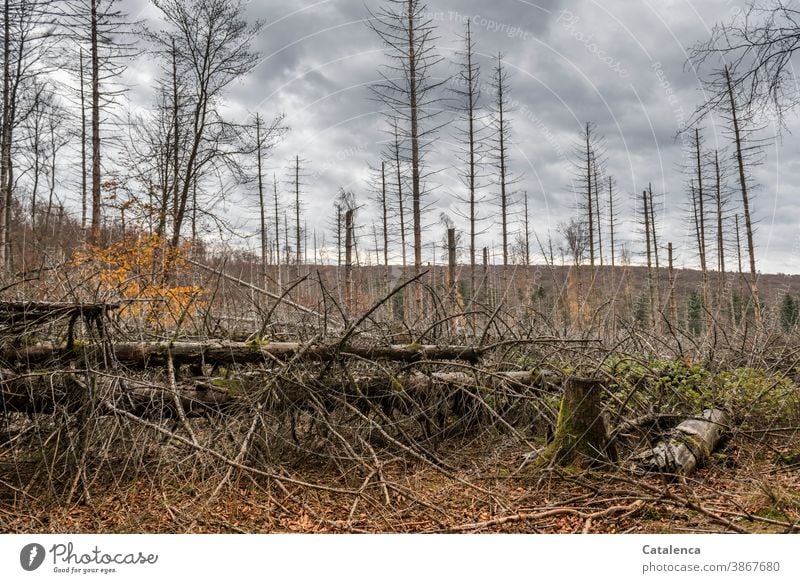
142	354
47	393
691	443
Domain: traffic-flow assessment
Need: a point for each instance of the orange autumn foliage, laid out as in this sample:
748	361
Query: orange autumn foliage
141	269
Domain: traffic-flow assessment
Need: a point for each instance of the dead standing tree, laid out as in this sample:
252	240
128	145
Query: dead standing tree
472	151
106	30
587	163
261	139
500	145
410	91
746	65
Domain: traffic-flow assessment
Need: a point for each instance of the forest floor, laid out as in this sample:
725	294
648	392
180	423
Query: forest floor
751	484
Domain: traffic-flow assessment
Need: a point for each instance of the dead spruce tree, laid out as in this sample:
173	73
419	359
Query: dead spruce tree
746	66
409	91
295	177
105	35
261	138
587	167
471	145
500	145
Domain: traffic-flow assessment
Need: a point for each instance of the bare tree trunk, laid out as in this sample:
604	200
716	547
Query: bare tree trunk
701	224
348	260
745	203
96	194
485	282
278	277
720	235
451	260
657	274
691	443
597	215
175	137
471	97
5	140
84	185
415	169
589	202
698	235
527	233
299	250
385	218
502	160
400	201
673	307
611	218
261	206
650	286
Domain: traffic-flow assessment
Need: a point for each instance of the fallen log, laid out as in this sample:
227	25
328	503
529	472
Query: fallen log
47	393
689	445
143	354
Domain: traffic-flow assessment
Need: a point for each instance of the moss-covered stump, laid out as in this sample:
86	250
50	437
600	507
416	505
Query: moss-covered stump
581	433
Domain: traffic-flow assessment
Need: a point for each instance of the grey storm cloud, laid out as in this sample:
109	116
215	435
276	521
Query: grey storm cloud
618	64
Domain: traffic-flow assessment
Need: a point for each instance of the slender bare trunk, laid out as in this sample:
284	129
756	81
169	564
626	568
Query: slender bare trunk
385	217
299	250
261	206
84	177
673	306
96	194
650	286
348	260
748	223
720	234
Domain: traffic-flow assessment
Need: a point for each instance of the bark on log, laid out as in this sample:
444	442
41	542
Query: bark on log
690	444
44	394
141	354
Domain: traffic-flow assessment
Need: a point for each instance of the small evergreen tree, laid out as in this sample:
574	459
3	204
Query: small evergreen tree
694	313
789	313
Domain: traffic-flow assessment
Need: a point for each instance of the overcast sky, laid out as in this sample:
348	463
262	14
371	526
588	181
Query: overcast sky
616	63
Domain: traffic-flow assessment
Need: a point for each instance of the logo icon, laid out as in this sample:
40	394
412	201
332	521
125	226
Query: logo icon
31	556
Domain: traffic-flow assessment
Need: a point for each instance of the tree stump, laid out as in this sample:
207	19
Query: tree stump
581	432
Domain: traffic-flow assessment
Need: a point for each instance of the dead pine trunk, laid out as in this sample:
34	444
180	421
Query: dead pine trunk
485	282
348	261
650	278
673	306
95	64
581	433
748	222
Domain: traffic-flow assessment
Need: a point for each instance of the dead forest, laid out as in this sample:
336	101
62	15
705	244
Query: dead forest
388	372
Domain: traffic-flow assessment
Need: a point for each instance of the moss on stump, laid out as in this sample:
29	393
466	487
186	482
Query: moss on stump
581	433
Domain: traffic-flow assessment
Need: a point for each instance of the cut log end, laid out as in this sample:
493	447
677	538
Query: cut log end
690	444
